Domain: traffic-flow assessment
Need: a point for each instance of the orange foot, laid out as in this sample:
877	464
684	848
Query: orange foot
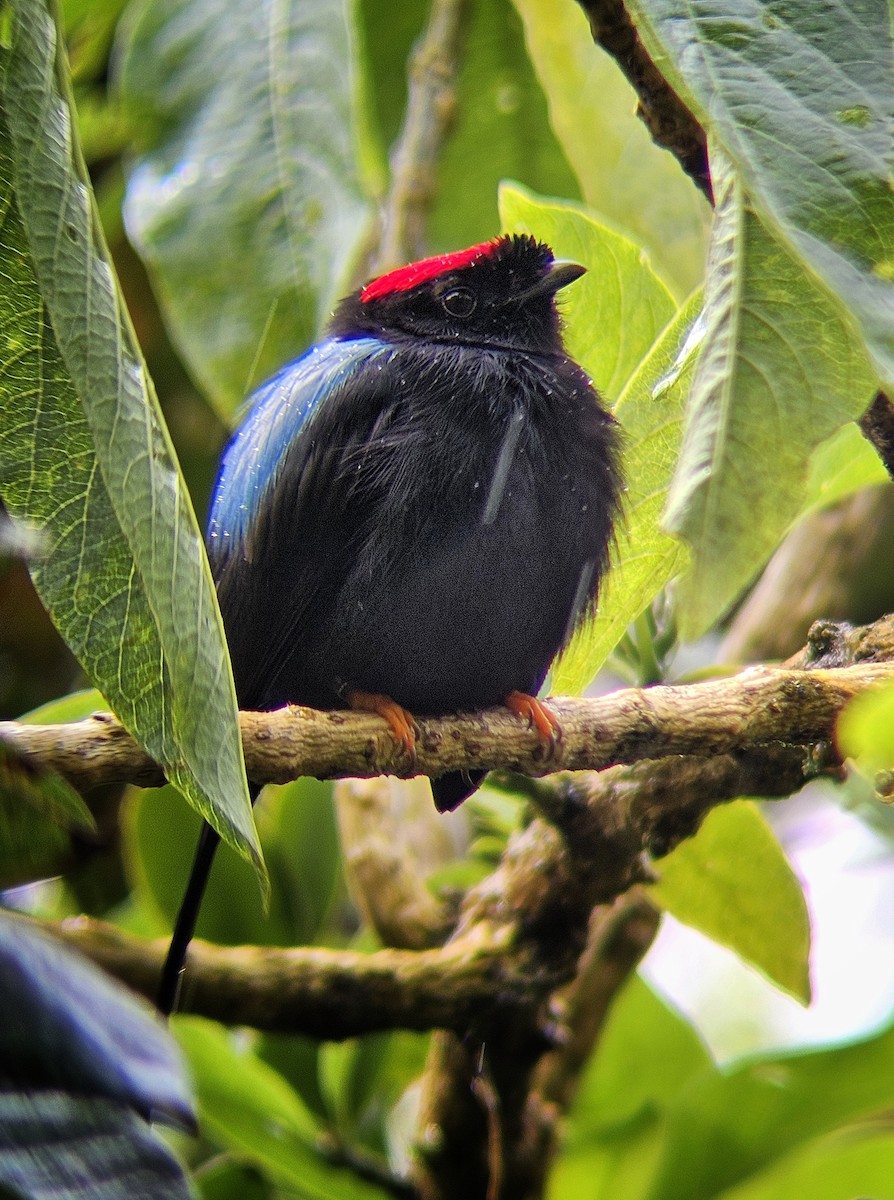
538	716
400	722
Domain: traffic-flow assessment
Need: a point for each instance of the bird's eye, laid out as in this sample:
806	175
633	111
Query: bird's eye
459	302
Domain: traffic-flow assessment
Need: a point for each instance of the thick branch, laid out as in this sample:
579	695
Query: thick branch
330	994
759	706
392	840
520	933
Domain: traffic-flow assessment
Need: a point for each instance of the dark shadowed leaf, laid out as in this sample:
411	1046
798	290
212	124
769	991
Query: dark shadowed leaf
246	203
38	809
55	1146
67	1024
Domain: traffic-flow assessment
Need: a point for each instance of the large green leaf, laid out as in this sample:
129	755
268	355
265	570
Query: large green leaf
623	175
800	95
646	1057
246	204
296	826
779	372
645	558
613	318
733	882
656	1119
85	456
731	1125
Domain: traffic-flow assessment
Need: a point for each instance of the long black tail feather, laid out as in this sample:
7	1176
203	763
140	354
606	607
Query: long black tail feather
188	915
451	789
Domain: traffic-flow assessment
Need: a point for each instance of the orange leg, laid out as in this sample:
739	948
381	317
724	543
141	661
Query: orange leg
400	722
538	716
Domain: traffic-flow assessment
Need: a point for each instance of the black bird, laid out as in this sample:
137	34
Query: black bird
417	512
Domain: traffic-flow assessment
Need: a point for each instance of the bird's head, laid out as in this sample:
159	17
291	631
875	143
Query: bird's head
500	293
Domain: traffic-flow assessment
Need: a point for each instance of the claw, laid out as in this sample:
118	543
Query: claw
538	716
400	721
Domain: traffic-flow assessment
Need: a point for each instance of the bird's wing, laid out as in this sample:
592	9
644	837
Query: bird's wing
282	414
284	518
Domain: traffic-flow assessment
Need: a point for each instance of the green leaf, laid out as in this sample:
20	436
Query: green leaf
866	730
800	96
247	204
296	825
733	882
840	466
250	1110
779	372
646	1056
76	706
613	318
222	1179
363	1077
654	1117
645	1059
853	1164
85	456
645	558
730	1126
55	1146
623	175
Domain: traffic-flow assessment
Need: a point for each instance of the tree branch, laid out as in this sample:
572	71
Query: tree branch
520	932
877	426
759	706
667	118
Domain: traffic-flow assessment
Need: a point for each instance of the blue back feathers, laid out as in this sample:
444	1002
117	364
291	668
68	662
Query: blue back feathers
281	410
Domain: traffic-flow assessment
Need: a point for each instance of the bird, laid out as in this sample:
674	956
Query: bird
417	512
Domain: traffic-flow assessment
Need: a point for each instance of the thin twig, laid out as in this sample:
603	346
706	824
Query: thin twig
431	105
667	118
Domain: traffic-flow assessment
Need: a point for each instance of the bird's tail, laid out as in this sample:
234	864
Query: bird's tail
451	789
188	915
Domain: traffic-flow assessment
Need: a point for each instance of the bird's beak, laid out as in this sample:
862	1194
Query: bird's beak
560	273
